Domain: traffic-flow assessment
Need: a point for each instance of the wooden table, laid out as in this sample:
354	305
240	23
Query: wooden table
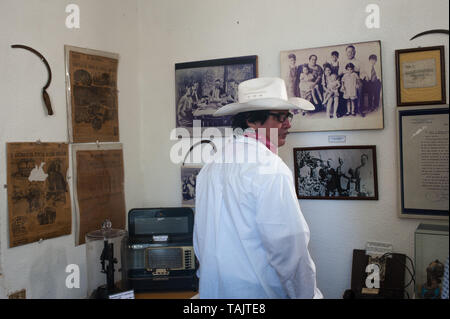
166	295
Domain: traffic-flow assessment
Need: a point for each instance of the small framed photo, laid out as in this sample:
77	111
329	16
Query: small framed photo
423	150
188	183
336	172
203	87
420	75
344	82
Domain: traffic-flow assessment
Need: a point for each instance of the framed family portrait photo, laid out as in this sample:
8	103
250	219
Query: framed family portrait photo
203	87
420	76
343	82
423	151
336	172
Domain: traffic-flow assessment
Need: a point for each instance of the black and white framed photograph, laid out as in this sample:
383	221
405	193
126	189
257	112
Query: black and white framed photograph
188	182
203	87
423	150
336	172
344	82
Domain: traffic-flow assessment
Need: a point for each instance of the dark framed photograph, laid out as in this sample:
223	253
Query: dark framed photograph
423	149
344	82
203	87
420	76
188	183
336	172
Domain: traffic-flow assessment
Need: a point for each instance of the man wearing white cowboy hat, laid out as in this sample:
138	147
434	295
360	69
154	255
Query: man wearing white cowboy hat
250	236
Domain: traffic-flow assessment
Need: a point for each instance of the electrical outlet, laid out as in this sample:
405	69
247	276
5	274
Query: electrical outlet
22	294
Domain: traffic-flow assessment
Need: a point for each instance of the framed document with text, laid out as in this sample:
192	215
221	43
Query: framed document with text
423	162
92	95
420	76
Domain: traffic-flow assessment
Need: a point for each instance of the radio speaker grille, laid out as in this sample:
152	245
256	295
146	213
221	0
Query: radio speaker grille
165	258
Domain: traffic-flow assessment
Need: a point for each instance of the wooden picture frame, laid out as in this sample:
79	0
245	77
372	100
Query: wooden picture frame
422	153
353	100
203	87
336	172
420	76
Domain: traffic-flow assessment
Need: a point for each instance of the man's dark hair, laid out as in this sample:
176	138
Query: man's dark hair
373	57
240	119
335	53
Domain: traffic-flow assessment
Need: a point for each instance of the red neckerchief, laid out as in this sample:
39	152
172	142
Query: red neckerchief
262	138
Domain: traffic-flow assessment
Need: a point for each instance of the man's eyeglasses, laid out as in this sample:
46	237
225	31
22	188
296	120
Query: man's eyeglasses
282	117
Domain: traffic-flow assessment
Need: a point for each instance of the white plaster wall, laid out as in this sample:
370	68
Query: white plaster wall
108	25
184	31
151	36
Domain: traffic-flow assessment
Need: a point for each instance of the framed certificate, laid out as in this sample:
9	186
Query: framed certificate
423	162
420	75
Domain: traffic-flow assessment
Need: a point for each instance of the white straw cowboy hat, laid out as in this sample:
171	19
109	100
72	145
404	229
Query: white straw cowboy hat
264	94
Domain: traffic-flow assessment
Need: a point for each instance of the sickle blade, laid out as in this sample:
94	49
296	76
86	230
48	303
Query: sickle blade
45	95
435	31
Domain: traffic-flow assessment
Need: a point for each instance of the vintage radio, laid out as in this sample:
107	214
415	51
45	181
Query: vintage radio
159	253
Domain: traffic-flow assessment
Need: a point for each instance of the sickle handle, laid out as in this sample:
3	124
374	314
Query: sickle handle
47	102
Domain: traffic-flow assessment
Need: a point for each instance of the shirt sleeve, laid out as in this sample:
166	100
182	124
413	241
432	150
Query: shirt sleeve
285	236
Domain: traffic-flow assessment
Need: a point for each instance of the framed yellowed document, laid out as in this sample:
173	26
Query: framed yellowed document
420	75
39	205
98	187
92	95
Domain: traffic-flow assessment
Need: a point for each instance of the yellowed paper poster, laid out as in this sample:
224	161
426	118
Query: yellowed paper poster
38	192
92	95
99	188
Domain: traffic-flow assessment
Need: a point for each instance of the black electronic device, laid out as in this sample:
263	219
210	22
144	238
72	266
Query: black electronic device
159	253
391	275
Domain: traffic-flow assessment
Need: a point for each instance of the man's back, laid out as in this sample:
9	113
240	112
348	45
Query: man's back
250	236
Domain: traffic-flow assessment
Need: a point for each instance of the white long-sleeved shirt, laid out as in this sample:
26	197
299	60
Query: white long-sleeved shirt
250	236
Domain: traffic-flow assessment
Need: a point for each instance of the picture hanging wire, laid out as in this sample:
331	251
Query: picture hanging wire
199	143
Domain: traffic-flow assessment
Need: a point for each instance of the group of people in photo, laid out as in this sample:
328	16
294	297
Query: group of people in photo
325	178
341	86
198	103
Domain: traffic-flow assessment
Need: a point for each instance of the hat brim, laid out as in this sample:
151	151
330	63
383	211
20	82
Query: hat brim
293	103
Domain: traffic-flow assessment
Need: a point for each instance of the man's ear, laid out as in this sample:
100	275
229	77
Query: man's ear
253	125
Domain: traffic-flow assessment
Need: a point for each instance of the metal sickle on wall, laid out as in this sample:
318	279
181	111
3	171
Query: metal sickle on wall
45	95
443	31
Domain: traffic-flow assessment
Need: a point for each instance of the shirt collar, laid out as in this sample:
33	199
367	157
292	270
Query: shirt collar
251	134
